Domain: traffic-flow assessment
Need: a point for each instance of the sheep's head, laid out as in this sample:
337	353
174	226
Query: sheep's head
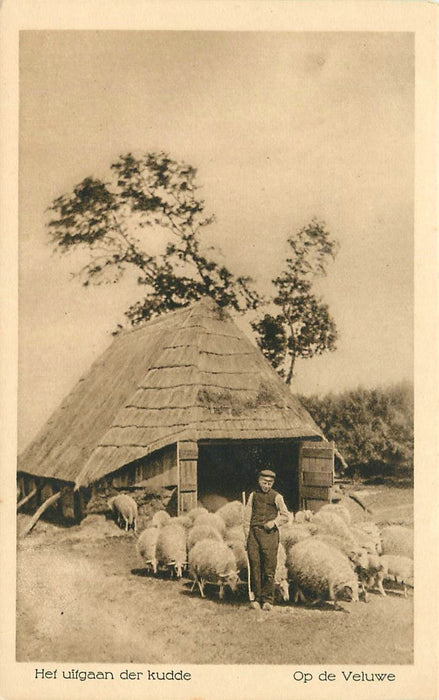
284	590
348	592
230	579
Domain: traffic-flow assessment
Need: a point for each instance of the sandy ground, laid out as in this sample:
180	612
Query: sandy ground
83	595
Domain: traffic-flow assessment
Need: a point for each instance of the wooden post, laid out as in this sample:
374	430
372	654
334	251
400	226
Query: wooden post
47	503
187	476
26	498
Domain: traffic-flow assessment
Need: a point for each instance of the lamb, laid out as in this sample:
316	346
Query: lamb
146	547
337	508
369	571
321	571
213	561
396	539
125	511
212	520
232	513
281	585
202	532
171	548
399	569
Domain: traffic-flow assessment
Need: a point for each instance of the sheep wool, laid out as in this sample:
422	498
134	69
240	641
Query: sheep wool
195	512
368	536
291	533
147	546
240	553
212	520
235	533
338	509
171	547
232	513
202	532
160	518
332	524
320	570
213	561
396	539
281	574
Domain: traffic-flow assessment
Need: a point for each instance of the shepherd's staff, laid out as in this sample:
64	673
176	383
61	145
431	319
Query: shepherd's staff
251	595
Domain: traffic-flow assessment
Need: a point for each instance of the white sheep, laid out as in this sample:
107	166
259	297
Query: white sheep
291	533
339	509
234	533
171	548
147	546
396	539
320	571
369	571
202	532
195	512
397	568
213	562
125	511
160	518
212	520
231	513
332	524
347	546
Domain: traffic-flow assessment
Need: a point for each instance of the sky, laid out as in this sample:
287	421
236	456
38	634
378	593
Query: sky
281	126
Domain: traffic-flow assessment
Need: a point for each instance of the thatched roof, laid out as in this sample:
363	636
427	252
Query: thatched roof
189	375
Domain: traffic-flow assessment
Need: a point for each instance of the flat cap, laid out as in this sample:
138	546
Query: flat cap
267	473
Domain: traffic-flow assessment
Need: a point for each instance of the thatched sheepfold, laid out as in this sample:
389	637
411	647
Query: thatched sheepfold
185	402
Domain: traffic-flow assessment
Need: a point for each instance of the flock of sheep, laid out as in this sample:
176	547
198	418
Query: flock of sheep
322	556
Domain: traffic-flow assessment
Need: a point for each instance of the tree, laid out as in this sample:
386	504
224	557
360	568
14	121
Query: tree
151	197
303	326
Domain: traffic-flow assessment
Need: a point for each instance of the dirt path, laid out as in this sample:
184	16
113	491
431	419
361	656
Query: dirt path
85	598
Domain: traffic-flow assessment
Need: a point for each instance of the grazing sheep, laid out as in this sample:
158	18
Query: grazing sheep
397	568
202	532
147	546
291	533
368	536
347	546
281	585
125	511
320	571
232	513
160	518
171	548
212	520
213	561
396	539
332	524
337	508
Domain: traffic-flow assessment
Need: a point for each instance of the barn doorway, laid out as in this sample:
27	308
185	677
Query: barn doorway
226	469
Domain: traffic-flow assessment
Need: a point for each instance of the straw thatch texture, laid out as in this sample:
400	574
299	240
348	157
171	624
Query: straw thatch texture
190	375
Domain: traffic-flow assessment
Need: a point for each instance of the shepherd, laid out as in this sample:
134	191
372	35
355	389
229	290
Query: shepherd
264	513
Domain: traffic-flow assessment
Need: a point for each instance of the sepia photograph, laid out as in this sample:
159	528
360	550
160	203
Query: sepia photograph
216	458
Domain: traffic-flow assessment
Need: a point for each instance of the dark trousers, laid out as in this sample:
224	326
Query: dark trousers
262	554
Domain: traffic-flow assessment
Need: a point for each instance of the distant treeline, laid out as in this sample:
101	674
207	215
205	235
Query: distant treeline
372	428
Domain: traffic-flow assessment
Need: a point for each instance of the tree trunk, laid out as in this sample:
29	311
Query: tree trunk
290	371
26	498
47	503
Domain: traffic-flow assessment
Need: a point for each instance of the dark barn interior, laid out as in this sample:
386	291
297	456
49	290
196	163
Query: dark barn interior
227	469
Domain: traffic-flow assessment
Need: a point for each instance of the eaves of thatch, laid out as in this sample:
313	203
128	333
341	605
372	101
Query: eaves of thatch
189	375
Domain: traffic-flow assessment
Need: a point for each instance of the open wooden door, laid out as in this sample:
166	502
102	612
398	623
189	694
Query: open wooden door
316	474
187	476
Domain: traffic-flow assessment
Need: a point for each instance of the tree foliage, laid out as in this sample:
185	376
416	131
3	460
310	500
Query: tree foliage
373	428
300	324
157	196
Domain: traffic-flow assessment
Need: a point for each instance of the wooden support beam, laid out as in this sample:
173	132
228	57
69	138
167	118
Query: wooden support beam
44	506
26	498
